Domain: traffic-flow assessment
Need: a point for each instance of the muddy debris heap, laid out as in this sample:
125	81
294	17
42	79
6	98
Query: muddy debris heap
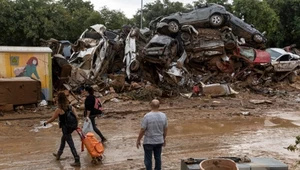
175	56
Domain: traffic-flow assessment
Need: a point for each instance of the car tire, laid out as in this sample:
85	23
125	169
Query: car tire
186	37
173	26
258	38
135	65
216	20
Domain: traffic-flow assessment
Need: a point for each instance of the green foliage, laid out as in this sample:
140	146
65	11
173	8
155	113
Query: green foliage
113	19
294	147
24	22
225	3
158	8
260	14
288	12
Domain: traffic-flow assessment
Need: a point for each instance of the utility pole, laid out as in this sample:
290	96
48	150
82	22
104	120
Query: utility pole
141	14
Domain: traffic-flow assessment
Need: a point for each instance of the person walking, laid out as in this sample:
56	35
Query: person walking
90	111
63	106
154	128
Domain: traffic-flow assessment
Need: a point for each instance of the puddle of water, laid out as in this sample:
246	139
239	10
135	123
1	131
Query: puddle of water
293	117
239	136
197	138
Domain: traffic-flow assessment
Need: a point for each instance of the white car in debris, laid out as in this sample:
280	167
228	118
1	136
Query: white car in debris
284	63
282	60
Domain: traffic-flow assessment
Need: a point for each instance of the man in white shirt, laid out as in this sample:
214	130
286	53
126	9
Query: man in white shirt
154	127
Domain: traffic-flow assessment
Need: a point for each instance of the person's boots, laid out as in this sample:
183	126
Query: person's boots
76	163
103	140
57	155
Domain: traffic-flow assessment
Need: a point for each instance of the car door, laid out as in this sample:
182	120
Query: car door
284	63
190	18
203	13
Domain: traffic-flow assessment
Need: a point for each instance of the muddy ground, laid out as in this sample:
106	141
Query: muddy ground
199	127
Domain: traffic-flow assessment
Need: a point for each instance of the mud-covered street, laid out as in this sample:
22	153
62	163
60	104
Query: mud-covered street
199	127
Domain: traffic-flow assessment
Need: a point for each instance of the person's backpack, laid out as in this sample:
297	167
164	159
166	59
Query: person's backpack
71	120
98	106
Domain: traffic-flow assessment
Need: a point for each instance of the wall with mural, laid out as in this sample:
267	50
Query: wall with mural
29	64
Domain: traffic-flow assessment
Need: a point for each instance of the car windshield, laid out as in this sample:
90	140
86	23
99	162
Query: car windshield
274	54
161	39
248	52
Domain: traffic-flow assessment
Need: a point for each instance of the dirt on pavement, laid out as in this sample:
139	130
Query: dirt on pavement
199	127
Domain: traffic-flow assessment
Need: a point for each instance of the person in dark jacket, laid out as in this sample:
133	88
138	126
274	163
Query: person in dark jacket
91	112
63	106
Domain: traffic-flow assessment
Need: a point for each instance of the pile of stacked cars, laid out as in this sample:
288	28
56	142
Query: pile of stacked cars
183	49
217	41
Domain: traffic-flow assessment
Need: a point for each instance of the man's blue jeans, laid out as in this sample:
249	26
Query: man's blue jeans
156	149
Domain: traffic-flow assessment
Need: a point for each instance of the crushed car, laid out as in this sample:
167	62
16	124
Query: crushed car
161	50
93	50
208	45
285	64
208	15
250	65
241	29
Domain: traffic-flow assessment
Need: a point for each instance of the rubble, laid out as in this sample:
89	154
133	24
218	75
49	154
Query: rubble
216	90
8	123
172	58
260	101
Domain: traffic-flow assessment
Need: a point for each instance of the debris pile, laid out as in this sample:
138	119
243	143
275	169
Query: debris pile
180	53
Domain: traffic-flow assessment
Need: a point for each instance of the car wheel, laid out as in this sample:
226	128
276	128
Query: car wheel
173	26
257	38
186	37
216	20
135	65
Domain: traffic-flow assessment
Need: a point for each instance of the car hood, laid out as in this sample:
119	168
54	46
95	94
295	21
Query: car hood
161	39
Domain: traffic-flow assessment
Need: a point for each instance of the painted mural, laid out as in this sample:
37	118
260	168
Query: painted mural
29	69
30	64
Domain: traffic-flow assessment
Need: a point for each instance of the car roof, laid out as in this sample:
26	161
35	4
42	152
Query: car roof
282	52
279	50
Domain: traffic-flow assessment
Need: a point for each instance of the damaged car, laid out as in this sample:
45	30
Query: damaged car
282	60
251	65
241	29
285	64
161	50
207	15
272	64
93	50
255	56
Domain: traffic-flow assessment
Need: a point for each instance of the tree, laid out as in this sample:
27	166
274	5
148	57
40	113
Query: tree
8	26
260	14
30	21
224	3
158	8
288	30
24	22
77	18
113	19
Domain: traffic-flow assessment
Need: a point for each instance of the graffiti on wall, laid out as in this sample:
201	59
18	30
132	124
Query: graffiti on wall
29	70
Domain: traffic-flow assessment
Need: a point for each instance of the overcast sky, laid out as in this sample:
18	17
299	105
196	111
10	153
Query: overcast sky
129	7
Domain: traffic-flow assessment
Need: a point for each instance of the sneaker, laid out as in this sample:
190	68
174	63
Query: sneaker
77	164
